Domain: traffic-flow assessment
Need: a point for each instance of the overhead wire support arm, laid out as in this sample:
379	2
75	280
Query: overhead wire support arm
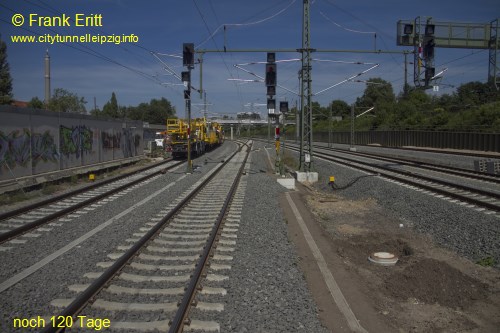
167	67
348	79
263	79
300	50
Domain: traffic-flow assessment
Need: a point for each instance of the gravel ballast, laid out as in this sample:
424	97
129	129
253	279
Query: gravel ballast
467	231
266	291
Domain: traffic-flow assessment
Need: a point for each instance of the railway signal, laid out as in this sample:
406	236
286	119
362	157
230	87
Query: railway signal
283	107
271	57
186	76
270	74
429	44
188	54
271	104
271	90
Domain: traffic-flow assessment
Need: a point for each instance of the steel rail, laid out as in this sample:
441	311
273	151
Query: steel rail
429	179
45	202
31	225
96	286
386	173
179	319
423	165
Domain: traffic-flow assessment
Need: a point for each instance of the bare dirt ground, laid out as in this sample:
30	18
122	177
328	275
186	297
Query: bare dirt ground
430	289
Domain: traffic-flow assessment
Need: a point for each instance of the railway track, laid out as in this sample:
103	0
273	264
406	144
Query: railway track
25	220
445	182
159	271
421	165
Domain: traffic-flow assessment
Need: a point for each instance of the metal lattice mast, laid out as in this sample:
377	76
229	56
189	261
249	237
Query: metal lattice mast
306	135
417	48
494	66
47	78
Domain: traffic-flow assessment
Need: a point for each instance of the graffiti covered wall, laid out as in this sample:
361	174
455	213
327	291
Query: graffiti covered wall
37	141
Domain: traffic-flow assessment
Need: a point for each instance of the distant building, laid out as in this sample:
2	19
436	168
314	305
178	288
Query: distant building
248	115
20	104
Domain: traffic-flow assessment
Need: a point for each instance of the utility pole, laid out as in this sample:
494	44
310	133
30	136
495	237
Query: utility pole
188	61
306	135
189	168
205	105
405	88
304	131
47	78
352	128
330	121
494	45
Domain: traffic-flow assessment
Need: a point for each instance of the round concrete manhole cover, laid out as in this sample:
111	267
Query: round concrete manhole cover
383	258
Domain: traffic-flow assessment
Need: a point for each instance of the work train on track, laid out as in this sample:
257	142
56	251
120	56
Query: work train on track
204	137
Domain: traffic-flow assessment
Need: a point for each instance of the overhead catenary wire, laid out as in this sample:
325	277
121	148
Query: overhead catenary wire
225	25
262	78
82	47
347	29
91	29
376	30
91	52
373	66
220	55
218	23
153	78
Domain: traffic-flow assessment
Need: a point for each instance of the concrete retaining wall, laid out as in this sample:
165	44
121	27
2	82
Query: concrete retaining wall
37	141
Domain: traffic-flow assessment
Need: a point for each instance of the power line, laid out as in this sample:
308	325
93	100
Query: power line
217	47
347	29
380	33
465	56
84	48
54	10
241	24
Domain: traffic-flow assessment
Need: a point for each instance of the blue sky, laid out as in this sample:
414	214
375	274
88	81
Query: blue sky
136	75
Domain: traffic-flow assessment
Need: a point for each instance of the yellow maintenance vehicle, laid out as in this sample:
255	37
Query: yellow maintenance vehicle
214	136
177	137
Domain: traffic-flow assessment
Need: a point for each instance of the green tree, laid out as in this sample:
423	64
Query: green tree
95	112
65	101
319	113
448	102
155	112
122	111
485	117
378	93
419	98
476	94
292	113
339	108
111	109
5	78
35	103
